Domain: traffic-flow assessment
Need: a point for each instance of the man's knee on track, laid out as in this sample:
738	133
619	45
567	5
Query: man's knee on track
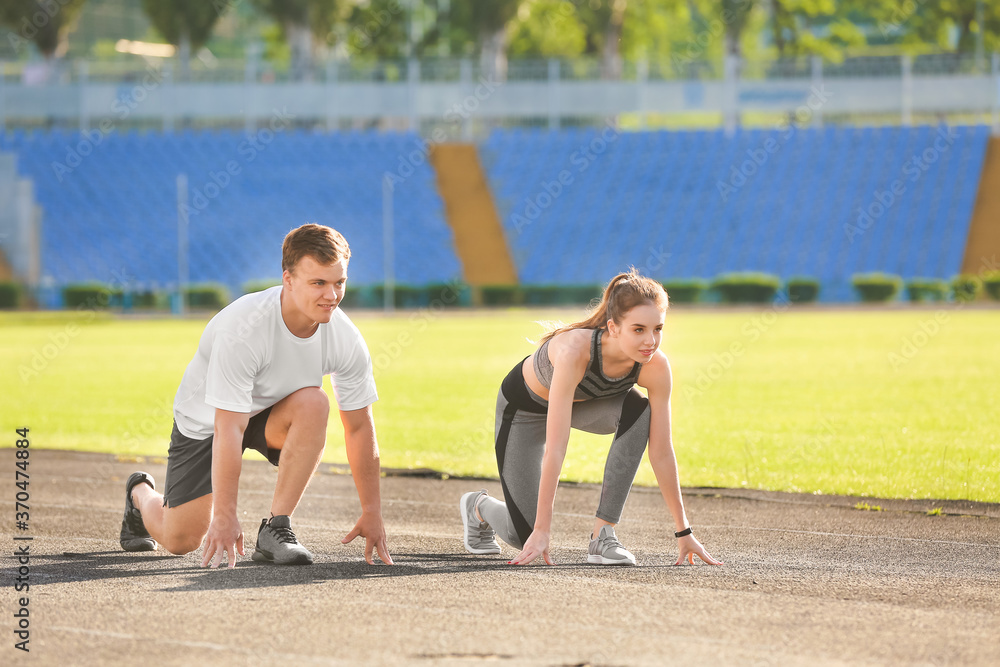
311	400
179	545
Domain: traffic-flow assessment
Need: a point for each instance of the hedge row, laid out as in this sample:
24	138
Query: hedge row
98	296
882	287
11	296
726	288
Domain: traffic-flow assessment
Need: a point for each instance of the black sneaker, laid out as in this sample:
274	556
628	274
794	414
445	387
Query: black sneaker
276	543
134	536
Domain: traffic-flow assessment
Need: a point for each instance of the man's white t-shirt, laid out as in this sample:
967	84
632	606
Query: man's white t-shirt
248	360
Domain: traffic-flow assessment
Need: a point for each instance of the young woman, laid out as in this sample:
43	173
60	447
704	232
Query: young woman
583	376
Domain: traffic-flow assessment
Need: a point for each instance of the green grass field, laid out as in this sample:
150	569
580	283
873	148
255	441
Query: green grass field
888	403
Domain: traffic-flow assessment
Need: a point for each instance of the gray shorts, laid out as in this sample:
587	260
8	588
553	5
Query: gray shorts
189	461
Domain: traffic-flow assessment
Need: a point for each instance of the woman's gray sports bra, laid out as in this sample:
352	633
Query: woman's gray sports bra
595	384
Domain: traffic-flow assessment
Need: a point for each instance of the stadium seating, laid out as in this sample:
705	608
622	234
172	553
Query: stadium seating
110	207
786	202
577	205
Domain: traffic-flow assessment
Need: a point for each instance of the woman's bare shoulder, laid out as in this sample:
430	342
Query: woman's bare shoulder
571	346
655	371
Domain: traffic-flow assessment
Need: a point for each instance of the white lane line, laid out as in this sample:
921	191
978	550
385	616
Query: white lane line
228	648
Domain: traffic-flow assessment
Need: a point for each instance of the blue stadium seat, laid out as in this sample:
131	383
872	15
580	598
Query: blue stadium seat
115	213
796	214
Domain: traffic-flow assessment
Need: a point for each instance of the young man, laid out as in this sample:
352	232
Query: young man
256	383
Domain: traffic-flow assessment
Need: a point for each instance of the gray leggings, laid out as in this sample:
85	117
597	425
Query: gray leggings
520	444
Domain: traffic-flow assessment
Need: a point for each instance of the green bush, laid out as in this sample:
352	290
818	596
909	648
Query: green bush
357	296
403	296
448	295
575	295
145	299
746	287
252	286
802	289
10	295
919	290
965	288
88	296
991	281
876	287
502	295
541	295
207	296
685	291
560	295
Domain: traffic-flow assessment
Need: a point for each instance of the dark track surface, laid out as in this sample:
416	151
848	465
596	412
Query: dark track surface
808	580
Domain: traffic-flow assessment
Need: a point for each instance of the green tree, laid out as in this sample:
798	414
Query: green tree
187	24
306	26
484	24
377	30
950	25
818	27
547	28
605	21
44	23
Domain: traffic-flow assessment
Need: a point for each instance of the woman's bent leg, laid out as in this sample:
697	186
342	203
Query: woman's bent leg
520	444
625	456
628	418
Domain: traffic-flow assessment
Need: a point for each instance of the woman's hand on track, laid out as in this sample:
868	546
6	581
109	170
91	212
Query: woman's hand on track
691	547
537	545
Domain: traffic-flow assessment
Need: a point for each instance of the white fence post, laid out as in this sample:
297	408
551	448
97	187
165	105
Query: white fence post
388	249
731	104
81	86
182	243
250	88
332	76
906	101
641	78
412	83
553	94
816	63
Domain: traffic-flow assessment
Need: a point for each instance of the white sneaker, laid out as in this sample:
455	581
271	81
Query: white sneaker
607	550
479	537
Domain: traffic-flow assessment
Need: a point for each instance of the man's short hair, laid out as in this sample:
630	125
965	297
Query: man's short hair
324	244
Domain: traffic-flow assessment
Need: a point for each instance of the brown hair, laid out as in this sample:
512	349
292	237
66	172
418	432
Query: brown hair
324	244
623	293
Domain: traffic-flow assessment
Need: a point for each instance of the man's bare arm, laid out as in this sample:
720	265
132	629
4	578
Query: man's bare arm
363	456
